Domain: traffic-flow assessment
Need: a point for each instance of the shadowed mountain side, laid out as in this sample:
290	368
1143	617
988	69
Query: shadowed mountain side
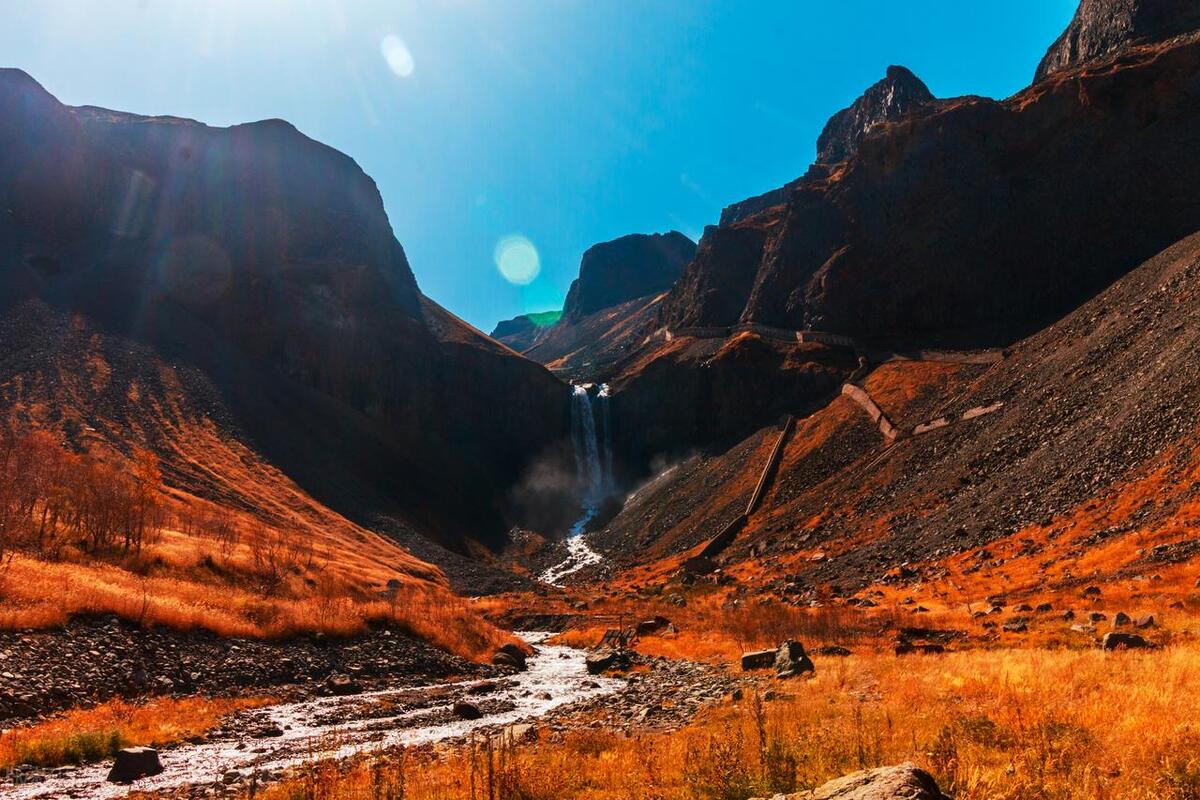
266	260
1094	444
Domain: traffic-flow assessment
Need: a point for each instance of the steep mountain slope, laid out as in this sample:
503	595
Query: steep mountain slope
265	261
1084	474
965	222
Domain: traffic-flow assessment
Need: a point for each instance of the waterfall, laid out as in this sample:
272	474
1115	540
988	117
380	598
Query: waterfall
593	465
588	464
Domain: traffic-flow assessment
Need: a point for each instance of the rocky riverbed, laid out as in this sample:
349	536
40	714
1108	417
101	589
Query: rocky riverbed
554	695
93	660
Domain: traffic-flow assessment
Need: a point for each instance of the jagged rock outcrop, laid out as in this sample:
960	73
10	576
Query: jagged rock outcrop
1101	28
632	266
914	236
899	93
266	259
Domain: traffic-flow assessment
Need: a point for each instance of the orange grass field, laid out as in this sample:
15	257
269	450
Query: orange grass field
989	725
79	737
40	594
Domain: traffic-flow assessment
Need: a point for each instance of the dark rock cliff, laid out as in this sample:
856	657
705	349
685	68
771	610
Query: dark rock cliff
633	266
899	93
1101	28
267	260
974	219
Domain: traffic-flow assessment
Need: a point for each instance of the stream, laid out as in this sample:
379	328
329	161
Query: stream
339	727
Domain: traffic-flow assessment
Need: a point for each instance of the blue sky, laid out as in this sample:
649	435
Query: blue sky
561	121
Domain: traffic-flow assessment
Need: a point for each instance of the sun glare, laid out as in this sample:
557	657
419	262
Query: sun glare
397	55
517	259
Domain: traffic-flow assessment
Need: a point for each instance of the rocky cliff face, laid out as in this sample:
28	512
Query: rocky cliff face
899	93
913	236
266	259
1101	28
633	266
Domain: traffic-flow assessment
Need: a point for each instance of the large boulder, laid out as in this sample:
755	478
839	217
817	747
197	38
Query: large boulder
342	686
133	763
791	660
464	709
758	659
510	655
902	782
1114	640
606	659
654	625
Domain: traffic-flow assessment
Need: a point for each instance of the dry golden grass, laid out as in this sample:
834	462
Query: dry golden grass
1011	725
259	558
709	630
79	737
41	594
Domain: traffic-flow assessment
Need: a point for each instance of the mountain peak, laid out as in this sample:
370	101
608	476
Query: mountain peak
1103	27
611	273
898	93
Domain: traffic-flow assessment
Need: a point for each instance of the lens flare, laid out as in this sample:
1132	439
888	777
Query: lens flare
397	55
517	259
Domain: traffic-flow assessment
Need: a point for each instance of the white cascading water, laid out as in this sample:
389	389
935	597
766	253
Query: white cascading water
593	465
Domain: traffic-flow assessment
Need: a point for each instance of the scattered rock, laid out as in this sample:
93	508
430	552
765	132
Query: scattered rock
1121	619
464	709
341	686
791	660
758	659
832	650
1129	641
133	763
1144	621
607	659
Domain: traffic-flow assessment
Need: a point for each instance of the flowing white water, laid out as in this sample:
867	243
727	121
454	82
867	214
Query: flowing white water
593	465
555	676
